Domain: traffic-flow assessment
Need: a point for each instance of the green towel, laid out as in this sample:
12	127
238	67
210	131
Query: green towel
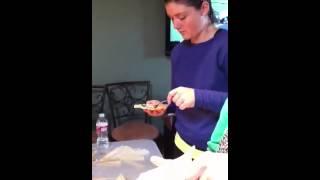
220	129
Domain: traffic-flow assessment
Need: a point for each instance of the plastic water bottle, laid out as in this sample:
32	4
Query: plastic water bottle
102	134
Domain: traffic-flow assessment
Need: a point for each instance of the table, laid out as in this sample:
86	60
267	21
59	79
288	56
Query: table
129	171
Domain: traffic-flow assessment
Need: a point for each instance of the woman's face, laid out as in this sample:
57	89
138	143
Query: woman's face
187	20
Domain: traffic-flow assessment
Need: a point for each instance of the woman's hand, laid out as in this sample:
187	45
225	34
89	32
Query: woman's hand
183	97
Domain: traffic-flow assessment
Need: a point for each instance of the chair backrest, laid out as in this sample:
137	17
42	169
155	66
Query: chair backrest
122	96
98	99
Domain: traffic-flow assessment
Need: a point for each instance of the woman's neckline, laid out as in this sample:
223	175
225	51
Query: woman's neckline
204	42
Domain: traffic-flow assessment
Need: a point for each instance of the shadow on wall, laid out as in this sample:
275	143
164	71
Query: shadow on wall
153	28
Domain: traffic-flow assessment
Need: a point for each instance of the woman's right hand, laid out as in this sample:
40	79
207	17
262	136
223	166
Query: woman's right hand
159	111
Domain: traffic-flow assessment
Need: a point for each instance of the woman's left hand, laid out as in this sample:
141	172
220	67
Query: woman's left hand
183	97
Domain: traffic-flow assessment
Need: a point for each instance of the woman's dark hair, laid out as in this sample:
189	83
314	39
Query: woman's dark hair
196	4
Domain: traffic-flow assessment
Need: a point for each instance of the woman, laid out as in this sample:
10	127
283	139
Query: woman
199	67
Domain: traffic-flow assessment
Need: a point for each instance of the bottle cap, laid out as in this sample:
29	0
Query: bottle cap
101	114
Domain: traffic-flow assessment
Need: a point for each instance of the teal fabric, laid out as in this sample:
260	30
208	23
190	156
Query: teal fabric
218	132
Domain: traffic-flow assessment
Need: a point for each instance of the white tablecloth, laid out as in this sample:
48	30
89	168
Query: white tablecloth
129	171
